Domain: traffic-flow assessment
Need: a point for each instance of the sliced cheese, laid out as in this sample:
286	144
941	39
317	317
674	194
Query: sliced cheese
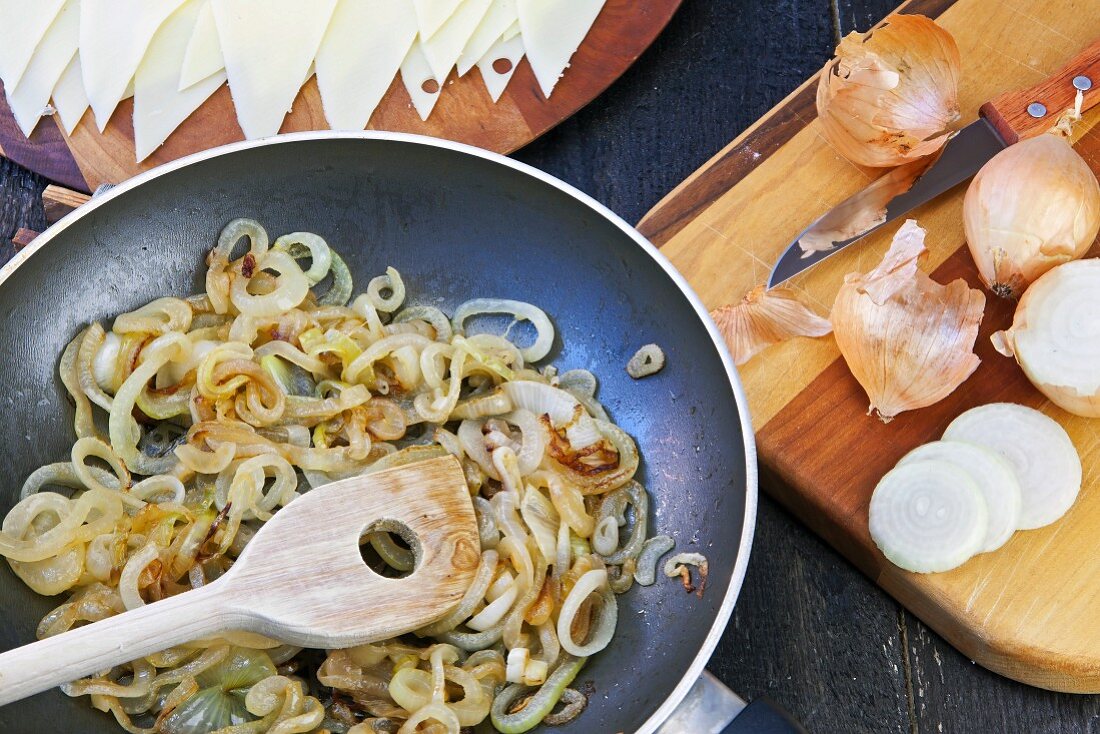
22	25
28	100
443	49
512	32
498	19
159	105
114	35
505	54
204	50
69	98
552	31
269	47
432	14
416	74
359	57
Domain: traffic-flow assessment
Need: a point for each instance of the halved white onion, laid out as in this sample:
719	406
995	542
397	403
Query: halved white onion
994	476
1055	336
1047	464
928	516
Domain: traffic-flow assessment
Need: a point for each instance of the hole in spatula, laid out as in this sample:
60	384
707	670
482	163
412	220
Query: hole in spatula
389	549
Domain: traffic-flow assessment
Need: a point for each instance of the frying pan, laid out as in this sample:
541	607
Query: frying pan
458	223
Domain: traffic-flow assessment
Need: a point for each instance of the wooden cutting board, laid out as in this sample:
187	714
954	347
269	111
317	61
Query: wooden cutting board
623	30
1031	610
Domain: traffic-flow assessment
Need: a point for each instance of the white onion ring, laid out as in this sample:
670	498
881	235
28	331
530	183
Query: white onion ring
521	311
592	581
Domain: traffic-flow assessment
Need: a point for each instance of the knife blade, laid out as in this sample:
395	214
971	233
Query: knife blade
962	157
1004	121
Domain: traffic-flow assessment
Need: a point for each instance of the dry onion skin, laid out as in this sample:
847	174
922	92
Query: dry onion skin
890	95
1033	206
225	406
765	317
1055	336
908	340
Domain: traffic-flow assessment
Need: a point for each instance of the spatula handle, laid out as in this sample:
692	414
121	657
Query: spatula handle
102	645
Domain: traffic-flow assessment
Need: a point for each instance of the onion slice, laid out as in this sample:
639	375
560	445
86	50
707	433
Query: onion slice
928	516
649	360
1047	464
604	628
521	311
994	476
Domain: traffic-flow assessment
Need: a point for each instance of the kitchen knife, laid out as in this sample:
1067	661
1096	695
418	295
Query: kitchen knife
1004	120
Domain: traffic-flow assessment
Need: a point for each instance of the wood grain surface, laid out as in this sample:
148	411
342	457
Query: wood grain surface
1026	611
464	112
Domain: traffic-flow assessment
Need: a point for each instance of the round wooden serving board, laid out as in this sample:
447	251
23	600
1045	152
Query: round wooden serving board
1028	610
465	113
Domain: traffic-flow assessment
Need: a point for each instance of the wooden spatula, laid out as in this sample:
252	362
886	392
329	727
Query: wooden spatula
301	580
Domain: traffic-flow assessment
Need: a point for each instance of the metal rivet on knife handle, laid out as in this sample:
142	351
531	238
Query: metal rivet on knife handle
1036	109
1082	82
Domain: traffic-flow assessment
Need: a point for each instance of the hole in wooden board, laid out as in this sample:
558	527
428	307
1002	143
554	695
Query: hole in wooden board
502	66
430	86
390	549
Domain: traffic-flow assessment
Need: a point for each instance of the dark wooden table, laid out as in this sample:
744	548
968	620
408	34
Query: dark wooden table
809	630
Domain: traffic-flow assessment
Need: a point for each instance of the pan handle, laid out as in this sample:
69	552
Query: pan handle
711	708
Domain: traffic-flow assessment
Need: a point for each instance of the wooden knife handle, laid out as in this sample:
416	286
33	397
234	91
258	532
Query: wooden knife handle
1030	112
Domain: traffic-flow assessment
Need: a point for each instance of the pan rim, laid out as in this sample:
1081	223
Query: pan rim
721	620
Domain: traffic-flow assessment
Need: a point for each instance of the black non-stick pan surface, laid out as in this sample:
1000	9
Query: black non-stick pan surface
457	223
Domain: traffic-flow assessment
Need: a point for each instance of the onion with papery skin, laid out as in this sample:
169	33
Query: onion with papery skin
907	339
890	95
765	317
1055	336
1033	206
